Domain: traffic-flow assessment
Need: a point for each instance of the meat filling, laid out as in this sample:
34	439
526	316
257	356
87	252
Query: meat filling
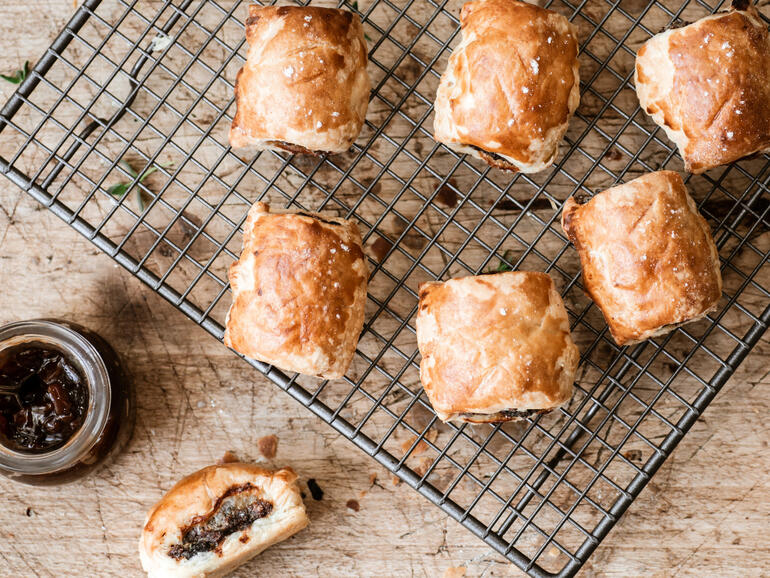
495	159
236	510
504	415
296	149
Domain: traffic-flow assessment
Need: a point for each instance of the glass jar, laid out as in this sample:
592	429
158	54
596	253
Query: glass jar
107	415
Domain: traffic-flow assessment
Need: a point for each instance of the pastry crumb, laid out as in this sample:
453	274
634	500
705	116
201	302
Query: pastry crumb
315	490
353	505
227	458
423	466
268	446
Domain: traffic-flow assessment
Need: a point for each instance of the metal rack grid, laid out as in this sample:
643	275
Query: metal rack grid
151	83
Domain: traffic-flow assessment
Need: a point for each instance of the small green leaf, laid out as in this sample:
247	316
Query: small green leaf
154	168
139	199
119	190
355	4
128	168
502	266
18	76
15	79
147	173
368	38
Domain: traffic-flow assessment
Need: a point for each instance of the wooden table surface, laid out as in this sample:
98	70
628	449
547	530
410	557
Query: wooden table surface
704	514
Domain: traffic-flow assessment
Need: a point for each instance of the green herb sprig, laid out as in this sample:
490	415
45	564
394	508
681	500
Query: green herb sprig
19	76
502	266
121	189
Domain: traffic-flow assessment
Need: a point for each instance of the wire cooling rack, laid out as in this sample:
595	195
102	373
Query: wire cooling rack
151	83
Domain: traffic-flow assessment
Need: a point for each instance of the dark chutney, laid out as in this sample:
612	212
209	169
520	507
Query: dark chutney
43	398
75	405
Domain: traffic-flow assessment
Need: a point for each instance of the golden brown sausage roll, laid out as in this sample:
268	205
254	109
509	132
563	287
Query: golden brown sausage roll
708	86
304	86
511	85
218	518
299	290
495	347
649	261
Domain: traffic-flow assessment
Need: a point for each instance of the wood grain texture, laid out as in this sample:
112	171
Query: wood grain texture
704	514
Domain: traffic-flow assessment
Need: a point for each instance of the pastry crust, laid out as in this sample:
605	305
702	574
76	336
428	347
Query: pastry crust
495	346
708	86
299	290
304	86
511	85
196	496
649	261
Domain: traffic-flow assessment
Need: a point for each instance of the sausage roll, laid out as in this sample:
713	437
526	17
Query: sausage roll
495	347
708	86
304	86
511	85
649	261
218	518
299	290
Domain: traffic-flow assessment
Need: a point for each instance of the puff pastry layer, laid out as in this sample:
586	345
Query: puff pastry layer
304	86
649	261
708	86
495	347
202	511
299	290
511	85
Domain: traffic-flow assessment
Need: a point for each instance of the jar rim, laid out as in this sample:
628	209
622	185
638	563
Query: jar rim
93	368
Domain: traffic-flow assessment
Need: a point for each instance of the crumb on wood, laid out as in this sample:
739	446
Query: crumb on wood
268	446
380	248
446	194
227	458
396	480
315	490
423	465
454	572
372	478
353	505
29	512
613	155
421	446
633	455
